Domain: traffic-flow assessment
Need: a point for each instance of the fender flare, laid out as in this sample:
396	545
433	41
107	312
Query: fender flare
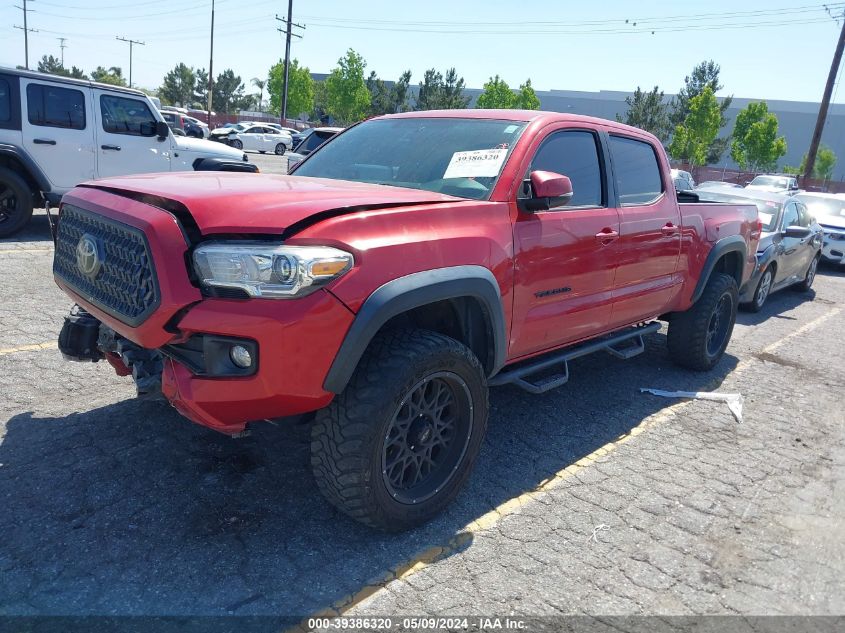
33	170
412	291
730	244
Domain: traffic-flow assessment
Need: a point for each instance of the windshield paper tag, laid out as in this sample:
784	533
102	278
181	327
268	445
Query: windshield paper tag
479	163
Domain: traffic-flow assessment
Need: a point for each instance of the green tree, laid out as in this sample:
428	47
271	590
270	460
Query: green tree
200	96
113	75
178	85
348	99
694	136
648	111
437	92
52	65
386	99
260	84
705	74
822	170
228	93
300	93
497	94
756	145
527	99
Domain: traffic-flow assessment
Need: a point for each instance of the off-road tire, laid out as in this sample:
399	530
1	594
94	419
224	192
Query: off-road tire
15	202
348	437
755	305
809	277
688	331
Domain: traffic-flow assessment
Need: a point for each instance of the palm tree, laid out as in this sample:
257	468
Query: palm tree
260	84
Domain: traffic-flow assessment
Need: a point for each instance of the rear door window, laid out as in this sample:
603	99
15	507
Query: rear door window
51	106
637	171
573	153
122	115
5	101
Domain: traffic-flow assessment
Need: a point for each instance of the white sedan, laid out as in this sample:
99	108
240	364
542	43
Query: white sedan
262	139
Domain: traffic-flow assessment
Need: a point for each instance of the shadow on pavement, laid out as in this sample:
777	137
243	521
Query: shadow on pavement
129	509
781	301
36	230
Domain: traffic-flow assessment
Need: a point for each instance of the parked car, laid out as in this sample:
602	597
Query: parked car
774	182
418	258
683	180
281	128
261	138
717	184
790	245
196	128
299	136
314	139
56	132
829	211
221	134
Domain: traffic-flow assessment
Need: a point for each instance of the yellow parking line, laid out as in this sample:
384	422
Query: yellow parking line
28	348
491	518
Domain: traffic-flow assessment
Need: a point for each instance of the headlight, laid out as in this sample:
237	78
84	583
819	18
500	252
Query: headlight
269	270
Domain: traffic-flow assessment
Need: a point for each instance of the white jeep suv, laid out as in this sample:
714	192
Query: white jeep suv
57	132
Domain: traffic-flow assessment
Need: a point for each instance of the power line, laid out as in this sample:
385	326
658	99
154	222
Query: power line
26	31
62	46
288	34
131	43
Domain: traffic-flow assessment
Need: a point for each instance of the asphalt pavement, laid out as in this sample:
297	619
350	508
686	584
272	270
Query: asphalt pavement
592	499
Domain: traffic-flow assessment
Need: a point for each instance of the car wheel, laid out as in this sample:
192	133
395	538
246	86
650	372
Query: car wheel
237	144
698	337
395	448
764	287
809	276
15	202
280	149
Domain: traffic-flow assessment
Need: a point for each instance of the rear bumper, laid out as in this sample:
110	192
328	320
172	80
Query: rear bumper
297	341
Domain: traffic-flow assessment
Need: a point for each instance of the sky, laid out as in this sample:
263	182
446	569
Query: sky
767	49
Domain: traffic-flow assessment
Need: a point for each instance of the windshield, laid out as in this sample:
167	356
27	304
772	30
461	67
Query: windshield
771	181
314	140
820	207
768	210
459	157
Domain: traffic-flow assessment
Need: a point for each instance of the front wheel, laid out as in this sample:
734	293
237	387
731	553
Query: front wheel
237	144
698	337
395	448
280	149
764	287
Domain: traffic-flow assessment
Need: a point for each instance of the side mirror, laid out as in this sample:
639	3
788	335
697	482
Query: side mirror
162	130
550	191
796	231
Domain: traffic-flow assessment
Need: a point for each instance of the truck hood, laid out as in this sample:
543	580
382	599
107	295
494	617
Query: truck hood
832	221
207	149
227	202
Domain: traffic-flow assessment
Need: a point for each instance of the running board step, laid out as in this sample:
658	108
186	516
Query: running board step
612	344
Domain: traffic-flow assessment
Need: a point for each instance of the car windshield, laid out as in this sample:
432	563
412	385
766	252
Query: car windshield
771	181
820	207
456	156
768	210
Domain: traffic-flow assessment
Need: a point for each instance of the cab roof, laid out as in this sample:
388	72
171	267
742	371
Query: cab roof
32	74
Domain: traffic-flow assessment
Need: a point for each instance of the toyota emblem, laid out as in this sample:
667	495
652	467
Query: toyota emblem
89	258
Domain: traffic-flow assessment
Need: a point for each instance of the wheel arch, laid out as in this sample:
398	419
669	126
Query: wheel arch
462	302
727	256
11	157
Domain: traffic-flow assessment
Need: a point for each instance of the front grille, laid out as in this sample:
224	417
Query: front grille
123	281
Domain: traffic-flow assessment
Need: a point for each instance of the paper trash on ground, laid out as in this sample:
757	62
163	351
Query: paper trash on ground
733	400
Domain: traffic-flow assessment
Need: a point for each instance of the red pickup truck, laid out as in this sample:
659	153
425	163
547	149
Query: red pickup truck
411	262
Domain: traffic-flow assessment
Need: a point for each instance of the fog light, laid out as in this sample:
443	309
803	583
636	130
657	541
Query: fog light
240	356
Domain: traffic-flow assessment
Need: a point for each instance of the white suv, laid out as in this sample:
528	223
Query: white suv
57	132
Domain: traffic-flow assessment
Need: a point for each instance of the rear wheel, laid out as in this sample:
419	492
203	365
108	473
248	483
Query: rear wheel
395	448
698	337
15	202
280	149
809	276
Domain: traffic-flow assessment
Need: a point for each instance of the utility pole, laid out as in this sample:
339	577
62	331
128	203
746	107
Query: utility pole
62	46
828	89
26	31
131	42
288	34
211	66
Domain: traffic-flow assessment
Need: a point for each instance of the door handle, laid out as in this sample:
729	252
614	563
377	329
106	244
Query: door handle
44	141
669	230
114	147
607	235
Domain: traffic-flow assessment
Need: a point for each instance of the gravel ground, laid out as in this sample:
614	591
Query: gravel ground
592	499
